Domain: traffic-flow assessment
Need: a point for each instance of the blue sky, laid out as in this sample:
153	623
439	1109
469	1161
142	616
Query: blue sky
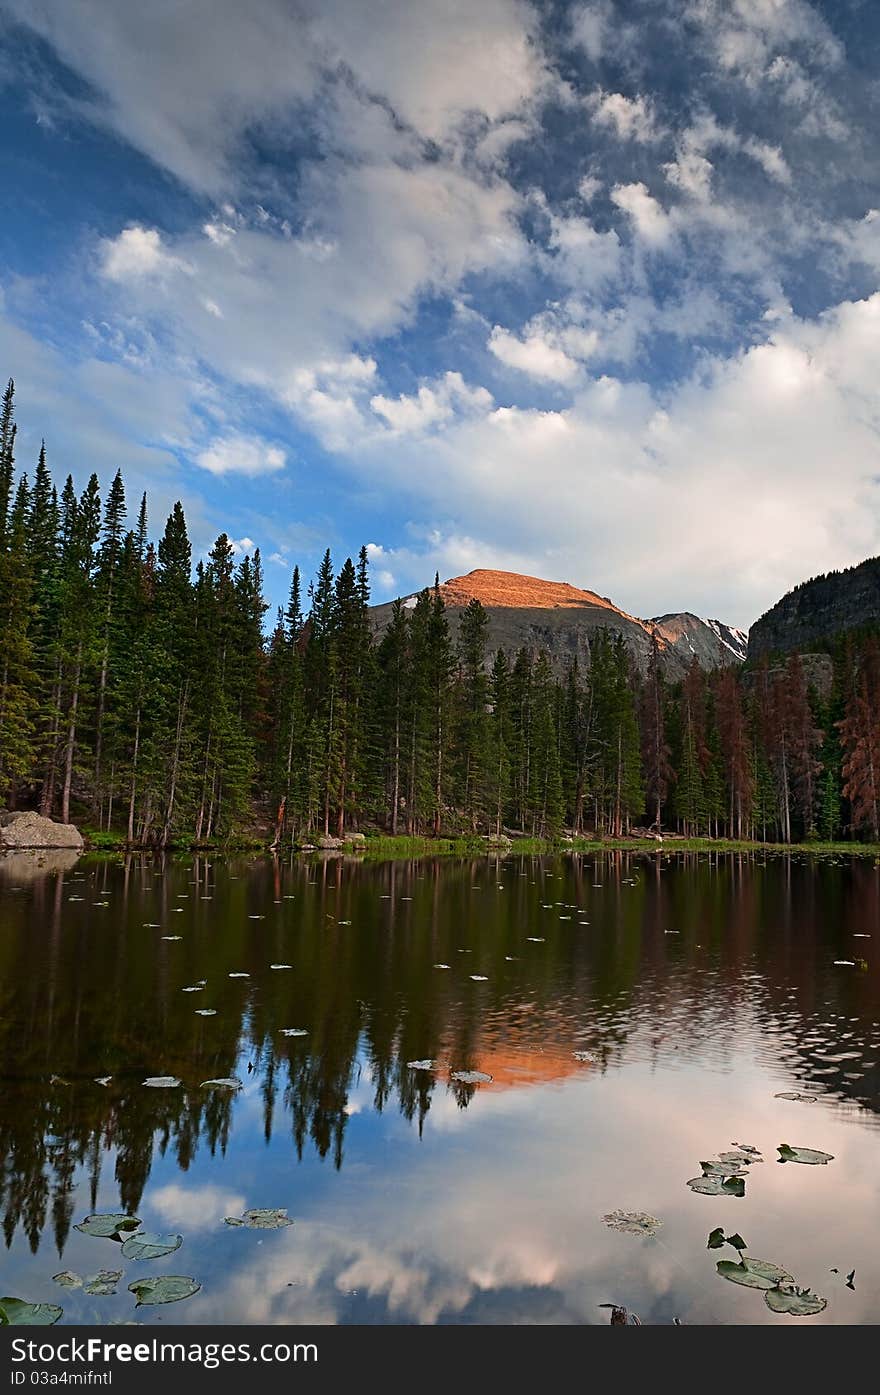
584	290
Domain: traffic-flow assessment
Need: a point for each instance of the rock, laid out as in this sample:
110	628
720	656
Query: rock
31	830
359	839
327	843
498	840
818	610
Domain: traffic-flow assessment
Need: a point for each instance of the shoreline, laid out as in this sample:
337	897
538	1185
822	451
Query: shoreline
381	848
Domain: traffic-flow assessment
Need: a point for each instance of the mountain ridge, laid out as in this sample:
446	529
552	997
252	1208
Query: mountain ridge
559	618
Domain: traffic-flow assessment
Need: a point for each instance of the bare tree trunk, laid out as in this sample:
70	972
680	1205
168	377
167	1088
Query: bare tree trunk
71	739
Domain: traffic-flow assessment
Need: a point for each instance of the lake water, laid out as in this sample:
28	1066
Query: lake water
700	987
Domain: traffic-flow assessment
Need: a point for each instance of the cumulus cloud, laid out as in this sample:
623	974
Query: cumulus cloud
631	118
432	405
649	218
241	455
138	253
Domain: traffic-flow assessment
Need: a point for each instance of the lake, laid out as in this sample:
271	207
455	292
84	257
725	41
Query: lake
694	988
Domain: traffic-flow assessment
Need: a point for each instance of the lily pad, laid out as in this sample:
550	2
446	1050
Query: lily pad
753	1273
718	1186
106	1225
226	1082
811	1156
103	1079
739	1158
67	1279
147	1244
717	1238
471	1077
193	988
280	966
294	1032
206	1012
161	1082
796	1095
262	1218
15	1312
103	1284
165	1288
586	1057
721	1169
797	1302
239	975
441	966
420	1065
632	1222
479	978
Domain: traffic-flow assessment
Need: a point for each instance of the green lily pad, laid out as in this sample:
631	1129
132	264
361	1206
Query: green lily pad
149	1245
262	1218
107	1225
165	1288
161	1082
17	1313
811	1156
717	1238
718	1186
632	1222
797	1302
226	1082
721	1168
739	1159
103	1284
753	1273
67	1279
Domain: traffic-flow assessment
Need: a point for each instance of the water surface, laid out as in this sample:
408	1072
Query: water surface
700	987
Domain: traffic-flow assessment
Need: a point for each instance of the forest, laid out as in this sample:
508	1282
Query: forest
144	697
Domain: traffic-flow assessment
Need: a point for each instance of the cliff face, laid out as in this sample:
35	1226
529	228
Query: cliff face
819	609
561	619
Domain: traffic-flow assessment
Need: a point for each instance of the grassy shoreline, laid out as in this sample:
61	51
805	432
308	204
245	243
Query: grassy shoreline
382	848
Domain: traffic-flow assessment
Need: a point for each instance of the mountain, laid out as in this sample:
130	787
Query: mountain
818	610
560	618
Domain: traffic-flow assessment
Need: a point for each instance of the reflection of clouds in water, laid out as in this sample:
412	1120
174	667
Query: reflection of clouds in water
473	1233
195	1208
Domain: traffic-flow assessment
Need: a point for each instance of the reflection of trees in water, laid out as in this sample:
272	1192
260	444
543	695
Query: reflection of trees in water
87	991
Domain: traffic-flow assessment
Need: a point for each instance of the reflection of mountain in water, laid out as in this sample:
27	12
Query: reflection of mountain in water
682	959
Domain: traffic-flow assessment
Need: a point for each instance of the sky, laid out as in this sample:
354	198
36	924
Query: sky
585	290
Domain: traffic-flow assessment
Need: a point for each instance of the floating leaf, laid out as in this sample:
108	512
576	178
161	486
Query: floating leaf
294	1032
753	1273
811	1156
193	988
103	1079
262	1218
849	1279
797	1302
441	966
103	1284
420	1065
739	1158
471	1077
106	1225
149	1245
161	1082
717	1238
172	937
17	1313
721	1169
206	1012
754	1153
67	1279
225	1082
165	1288
280	966
239	975
586	1057
632	1222
479	978
718	1186
795	1095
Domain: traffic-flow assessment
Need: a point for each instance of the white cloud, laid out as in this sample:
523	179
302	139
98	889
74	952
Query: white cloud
651	221
241	455
631	118
138	253
432	405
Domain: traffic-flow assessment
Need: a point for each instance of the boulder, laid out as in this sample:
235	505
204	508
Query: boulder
358	839
327	843
28	829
